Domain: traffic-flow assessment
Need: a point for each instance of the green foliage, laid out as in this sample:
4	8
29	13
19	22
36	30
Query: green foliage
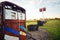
53	27
29	23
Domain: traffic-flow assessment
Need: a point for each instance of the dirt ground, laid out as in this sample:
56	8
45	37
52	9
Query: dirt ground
41	34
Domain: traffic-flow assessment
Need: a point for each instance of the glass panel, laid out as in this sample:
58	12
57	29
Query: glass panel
10	14
21	16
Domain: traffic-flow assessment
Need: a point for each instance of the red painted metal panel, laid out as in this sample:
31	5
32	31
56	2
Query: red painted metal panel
40	10
22	37
14	24
44	9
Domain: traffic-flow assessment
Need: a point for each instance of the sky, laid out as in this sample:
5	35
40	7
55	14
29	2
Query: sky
32	8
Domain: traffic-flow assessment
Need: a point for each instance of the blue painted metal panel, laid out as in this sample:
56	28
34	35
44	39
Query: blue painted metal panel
11	30
22	27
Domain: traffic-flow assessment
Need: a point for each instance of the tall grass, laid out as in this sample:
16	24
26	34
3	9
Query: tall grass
53	28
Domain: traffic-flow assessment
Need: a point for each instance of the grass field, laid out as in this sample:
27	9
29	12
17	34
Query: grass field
52	27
